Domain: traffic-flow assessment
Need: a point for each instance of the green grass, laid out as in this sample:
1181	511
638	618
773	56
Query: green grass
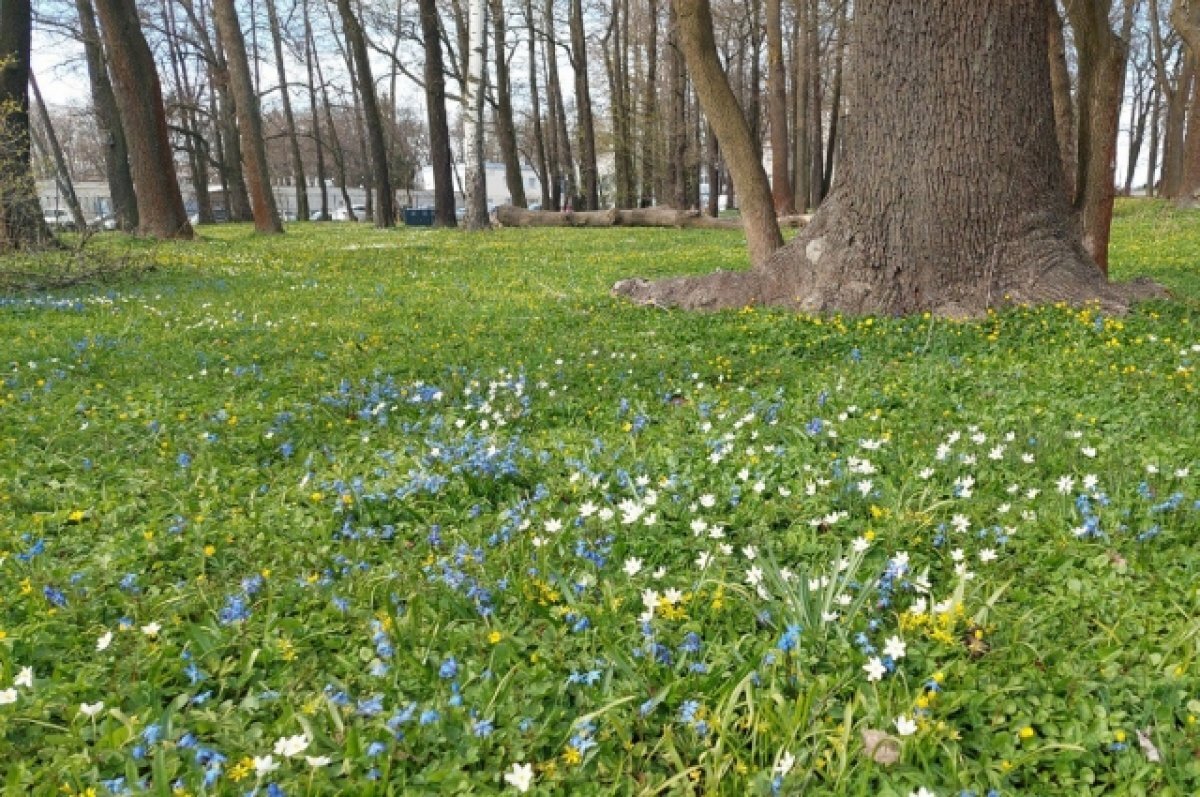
390	491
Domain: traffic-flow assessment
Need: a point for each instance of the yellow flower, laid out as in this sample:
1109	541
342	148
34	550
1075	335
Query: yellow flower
76	516
1027	732
1119	736
209	550
571	756
494	637
26	587
241	770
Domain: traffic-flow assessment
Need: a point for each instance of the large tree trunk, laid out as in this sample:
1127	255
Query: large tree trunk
589	174
21	223
506	130
250	128
385	205
801	173
777	110
564	170
1060	87
676	190
1175	94
139	98
725	115
289	119
439	126
950	196
108	121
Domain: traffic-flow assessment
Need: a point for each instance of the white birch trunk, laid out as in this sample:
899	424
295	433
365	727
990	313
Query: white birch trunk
476	190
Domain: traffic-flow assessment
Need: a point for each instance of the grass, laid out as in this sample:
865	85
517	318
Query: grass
432	506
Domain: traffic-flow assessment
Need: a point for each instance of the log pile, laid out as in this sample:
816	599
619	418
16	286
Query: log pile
511	216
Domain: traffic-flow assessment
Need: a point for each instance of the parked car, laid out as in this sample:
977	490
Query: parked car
58	220
106	221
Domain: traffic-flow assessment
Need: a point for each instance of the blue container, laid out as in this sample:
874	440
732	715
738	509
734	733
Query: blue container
418	217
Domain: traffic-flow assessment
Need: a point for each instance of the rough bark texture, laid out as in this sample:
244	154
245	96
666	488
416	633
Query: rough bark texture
21	222
313	116
250	128
139	98
1185	17
725	115
950	196
108	121
539	142
439	126
649	111
1060	87
62	175
1175	93
472	110
563	165
289	118
385	205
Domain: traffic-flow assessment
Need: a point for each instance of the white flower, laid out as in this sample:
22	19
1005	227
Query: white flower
318	760
922	792
1088	452
152	629
1090	481
703	560
553	525
606	513
754	576
987	555
860	544
905	726
750	552
538	542
659	573
633	566
520	777
864	486
91	709
291	746
8	696
699	526
708	500
587	509
1065	484
672	596
874	669
103	642
265	765
785	763
895	647
24	678
957	554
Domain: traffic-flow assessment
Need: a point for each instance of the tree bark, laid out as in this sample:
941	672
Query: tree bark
1175	94
650	115
676	190
725	115
565	169
435	108
289	118
1101	54
588	172
250	128
108	122
815	119
385	205
472	110
1060	86
314	116
950	196
139	98
22	226
801	159
506	131
781	178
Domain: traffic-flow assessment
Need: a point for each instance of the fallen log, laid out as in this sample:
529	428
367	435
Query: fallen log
511	216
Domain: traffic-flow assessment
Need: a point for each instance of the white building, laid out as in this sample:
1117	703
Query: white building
497	186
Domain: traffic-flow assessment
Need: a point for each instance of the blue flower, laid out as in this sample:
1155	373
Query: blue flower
449	668
429	716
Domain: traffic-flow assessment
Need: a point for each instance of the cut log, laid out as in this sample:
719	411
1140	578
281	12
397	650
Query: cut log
510	216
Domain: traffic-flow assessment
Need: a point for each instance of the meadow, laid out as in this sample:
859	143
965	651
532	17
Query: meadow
419	512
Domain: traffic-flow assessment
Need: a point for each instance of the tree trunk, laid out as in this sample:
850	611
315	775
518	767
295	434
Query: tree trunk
439	127
505	129
676	191
1175	94
835	103
713	150
1101	55
815	118
588	172
725	115
562	141
1155	135
237	197
801	159
539	141
650	115
314	116
1060	86
250	128
139	98
108	122
289	119
385	205
62	173
781	178
950	196
472	110
22	225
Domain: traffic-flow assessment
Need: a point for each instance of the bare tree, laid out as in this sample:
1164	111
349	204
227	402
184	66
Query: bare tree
21	223
139	98
254	150
472	109
289	119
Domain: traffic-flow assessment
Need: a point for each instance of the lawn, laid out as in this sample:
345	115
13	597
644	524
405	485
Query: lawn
417	512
